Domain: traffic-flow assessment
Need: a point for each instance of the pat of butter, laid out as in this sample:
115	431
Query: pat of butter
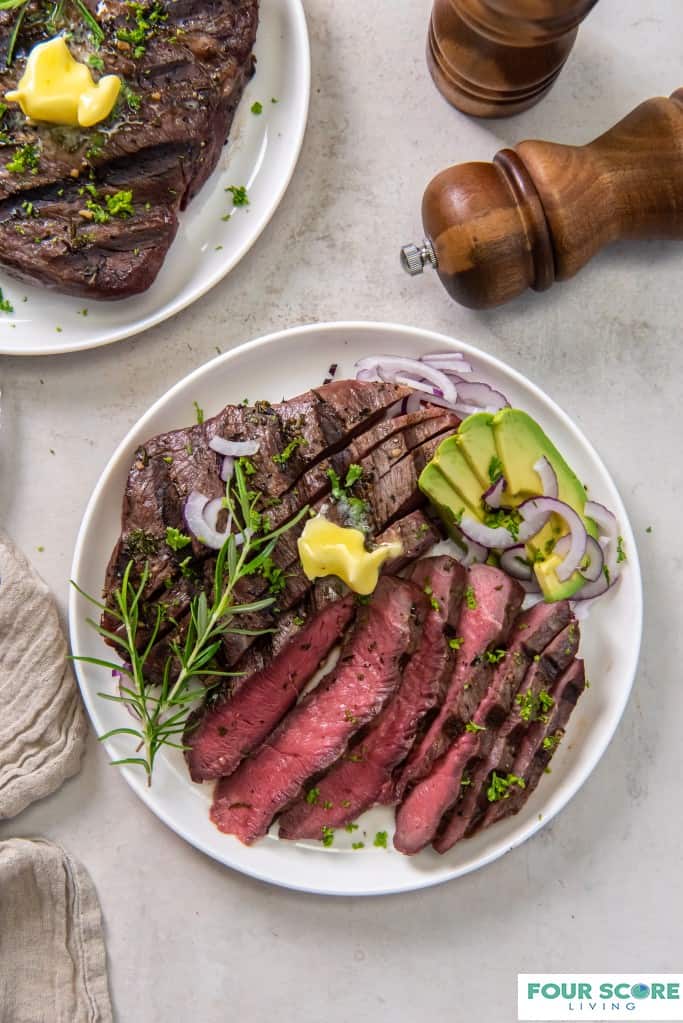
328	549
57	88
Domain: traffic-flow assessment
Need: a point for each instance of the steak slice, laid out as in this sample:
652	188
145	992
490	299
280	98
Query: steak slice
497	749
167	130
492	601
358	780
538	746
231	730
419	816
317	731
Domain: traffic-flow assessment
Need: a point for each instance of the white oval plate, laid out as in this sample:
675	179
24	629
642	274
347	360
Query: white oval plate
261	153
285	364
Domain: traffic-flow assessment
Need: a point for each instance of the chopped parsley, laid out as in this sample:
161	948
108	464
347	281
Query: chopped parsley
509	519
257	108
381	840
534	706
146	21
494	656
434	603
274	576
133	99
470	599
24	160
649	529
312	796
327	805
199	412
175	539
456	642
328	836
239	195
499	787
96	62
355	506
350	827
495	469
287	453
621	553
5	304
358	845
298	620
550	742
120	204
472	727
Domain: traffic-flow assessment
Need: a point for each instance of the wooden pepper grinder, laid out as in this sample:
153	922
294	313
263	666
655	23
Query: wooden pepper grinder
494	58
538	213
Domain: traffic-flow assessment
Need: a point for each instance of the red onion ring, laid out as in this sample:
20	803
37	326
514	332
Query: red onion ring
447	362
393	367
538	510
234	448
594	553
516	566
227	468
494	494
201	515
548	477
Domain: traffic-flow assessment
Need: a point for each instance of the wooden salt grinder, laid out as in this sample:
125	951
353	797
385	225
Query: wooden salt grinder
539	212
494	58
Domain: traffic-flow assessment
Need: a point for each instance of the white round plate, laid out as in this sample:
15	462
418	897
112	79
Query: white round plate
261	153
286	364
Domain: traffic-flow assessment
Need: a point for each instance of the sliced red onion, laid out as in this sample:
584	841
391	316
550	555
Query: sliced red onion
477	397
594	553
447	362
591	590
609	529
227	468
201	516
536	512
493	495
514	561
548	477
234	448
474	552
394	368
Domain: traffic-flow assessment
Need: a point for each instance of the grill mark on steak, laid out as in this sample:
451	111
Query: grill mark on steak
359	780
231	730
498	748
419	816
188	84
496	600
316	732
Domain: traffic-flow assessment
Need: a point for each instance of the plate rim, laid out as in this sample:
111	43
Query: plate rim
177	305
418	882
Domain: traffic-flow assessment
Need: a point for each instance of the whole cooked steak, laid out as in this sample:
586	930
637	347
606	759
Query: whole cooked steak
66	218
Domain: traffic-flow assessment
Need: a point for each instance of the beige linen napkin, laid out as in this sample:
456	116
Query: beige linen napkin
42	724
52	958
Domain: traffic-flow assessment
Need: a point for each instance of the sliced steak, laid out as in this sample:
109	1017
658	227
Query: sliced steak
492	601
317	731
497	748
357	781
538	746
231	730
419	816
160	142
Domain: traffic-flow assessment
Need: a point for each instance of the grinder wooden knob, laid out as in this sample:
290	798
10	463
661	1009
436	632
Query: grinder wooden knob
539	212
493	58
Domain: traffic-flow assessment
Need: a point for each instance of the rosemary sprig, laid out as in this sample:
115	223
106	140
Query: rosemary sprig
162	710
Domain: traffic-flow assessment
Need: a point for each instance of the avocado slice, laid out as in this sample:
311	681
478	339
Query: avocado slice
520	443
454	466
443	496
476	441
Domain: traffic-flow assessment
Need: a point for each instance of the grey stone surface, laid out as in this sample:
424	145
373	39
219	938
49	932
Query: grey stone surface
601	888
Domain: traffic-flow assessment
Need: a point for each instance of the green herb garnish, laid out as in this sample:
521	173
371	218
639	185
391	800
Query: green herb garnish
147	20
456	642
239	195
473	727
495	469
199	412
162	710
175	539
381	840
328	836
287	453
25	160
5	304
470	598
257	108
499	787
621	553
